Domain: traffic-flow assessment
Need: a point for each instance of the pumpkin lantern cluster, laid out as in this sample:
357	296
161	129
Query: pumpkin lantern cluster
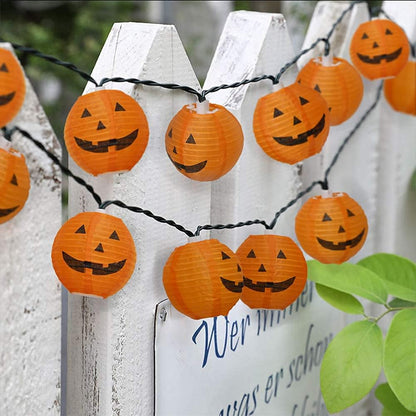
204	141
274	271
203	279
379	49
93	254
339	84
106	131
292	123
14	183
12	86
331	228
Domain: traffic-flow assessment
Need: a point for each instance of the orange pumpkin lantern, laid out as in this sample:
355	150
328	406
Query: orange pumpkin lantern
12	86
379	49
14	183
204	145
274	270
338	82
400	91
93	254
331	228
203	279
106	131
291	124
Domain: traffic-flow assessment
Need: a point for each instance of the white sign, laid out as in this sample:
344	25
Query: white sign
252	362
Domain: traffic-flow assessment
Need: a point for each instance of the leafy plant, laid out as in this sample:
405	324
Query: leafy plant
358	353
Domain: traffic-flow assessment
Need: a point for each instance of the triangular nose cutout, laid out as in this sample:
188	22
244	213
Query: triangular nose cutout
100	126
375	45
99	248
341	229
261	268
174	151
296	121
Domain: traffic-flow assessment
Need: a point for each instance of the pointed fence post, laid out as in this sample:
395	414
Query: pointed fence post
110	345
30	329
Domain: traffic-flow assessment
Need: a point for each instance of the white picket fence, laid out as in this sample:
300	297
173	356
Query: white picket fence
108	344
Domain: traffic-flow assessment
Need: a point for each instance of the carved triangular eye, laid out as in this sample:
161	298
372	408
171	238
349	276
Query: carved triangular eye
170	133
251	255
326	217
296	121
303	101
350	214
388	32
3	68
114	236
364	36
277	113
81	230
225	256
14	180
119	107
190	139
316	88
281	255
85	113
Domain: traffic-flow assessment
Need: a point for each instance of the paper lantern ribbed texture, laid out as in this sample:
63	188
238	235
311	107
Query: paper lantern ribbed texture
204	147
379	49
400	91
339	83
106	131
203	279
274	270
291	124
331	228
93	254
12	86
14	183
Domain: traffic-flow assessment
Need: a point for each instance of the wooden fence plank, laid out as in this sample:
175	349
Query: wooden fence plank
110	348
30	304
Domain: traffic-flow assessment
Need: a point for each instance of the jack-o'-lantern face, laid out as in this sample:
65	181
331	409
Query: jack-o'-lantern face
274	271
339	83
14	183
203	279
379	49
106	131
291	124
331	229
93	254
12	87
204	147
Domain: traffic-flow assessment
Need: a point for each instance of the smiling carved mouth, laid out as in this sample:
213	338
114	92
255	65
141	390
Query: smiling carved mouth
378	58
189	168
102	147
5	99
97	268
236	287
342	245
7	211
302	137
274	286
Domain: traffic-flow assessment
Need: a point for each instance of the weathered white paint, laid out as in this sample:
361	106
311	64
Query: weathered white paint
110	345
30	304
258	185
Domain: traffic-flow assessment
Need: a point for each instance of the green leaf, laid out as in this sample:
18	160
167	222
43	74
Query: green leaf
398	274
400	303
400	357
348	278
351	365
392	406
340	300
